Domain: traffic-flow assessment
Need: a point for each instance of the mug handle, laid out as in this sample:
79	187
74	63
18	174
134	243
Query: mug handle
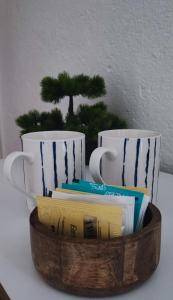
94	163
8	168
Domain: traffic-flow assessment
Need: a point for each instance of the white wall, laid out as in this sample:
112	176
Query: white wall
127	42
2	39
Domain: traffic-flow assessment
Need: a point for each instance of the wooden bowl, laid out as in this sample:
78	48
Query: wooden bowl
93	267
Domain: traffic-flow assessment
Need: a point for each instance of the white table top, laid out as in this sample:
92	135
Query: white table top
17	273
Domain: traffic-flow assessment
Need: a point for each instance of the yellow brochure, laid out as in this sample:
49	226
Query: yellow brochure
80	219
70	191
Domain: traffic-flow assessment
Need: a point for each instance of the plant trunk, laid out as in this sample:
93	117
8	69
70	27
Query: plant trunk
70	108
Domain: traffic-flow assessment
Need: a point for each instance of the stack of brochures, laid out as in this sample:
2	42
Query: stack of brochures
85	209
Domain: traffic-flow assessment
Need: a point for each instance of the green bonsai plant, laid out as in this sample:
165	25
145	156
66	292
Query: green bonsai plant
88	119
54	89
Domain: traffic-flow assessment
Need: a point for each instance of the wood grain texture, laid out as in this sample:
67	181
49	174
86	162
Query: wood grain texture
3	293
94	267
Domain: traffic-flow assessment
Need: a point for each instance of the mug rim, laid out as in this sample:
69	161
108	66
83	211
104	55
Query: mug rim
129	133
54	135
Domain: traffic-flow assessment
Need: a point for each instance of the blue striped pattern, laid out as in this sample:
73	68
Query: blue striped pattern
54	165
139	163
124	159
42	169
101	144
136	162
155	143
147	164
66	162
74	166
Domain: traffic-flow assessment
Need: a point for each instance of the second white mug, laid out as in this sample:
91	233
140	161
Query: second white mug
127	157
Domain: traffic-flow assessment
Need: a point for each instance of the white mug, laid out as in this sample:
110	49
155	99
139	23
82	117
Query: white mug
127	157
50	158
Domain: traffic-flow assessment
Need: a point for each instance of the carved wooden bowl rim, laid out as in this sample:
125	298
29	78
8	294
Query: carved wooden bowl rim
44	230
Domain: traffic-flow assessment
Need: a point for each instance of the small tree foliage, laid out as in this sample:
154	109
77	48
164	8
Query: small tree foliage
54	89
36	121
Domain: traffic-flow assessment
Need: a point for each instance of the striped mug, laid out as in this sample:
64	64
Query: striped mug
127	157
50	158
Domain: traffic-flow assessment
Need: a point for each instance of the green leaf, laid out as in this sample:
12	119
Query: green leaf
96	87
51	90
45	121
